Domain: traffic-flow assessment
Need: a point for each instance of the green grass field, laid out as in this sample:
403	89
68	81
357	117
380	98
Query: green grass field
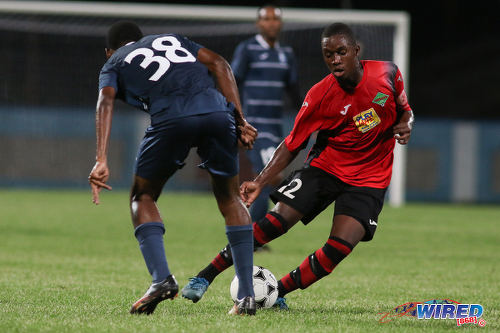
69	266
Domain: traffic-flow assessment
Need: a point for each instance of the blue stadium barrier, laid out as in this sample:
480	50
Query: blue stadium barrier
55	148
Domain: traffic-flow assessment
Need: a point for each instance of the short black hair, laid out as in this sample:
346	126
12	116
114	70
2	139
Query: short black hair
339	29
121	33
268	5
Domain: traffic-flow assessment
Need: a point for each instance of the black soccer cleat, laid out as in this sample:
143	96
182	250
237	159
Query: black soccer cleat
245	306
160	291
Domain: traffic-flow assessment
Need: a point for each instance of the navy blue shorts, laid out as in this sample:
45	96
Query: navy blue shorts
164	148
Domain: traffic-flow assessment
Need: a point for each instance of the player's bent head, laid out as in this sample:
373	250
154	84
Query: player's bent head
339	29
121	33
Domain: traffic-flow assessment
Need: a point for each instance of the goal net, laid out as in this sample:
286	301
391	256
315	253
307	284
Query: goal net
52	53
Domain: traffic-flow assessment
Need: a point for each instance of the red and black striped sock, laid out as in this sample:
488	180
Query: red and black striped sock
219	264
315	266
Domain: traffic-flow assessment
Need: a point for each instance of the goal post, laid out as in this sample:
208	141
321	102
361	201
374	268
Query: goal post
384	35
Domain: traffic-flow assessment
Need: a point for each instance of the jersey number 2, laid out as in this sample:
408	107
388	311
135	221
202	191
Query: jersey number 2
288	193
171	55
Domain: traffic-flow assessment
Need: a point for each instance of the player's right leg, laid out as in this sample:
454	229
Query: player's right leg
218	149
239	235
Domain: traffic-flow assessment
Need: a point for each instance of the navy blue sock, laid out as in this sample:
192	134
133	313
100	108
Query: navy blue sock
241	240
150	237
260	206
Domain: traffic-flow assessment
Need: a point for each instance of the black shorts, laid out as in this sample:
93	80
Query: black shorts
310	190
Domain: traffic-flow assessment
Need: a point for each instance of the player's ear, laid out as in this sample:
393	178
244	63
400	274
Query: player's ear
357	49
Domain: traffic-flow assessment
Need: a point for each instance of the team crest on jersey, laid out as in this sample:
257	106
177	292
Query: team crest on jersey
380	99
366	120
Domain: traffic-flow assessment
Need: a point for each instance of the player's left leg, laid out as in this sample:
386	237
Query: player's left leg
345	235
355	219
161	153
149	230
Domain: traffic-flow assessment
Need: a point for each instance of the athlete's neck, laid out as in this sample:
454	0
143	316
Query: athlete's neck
270	41
350	83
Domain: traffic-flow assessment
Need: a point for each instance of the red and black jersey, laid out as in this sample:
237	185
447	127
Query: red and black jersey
355	141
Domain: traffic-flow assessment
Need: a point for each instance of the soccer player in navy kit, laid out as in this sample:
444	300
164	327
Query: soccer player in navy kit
168	76
264	70
359	110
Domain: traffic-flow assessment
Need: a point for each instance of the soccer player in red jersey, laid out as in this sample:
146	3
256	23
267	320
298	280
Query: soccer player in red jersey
359	111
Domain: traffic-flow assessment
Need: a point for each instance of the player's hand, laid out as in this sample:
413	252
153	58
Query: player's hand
247	134
97	179
402	130
249	191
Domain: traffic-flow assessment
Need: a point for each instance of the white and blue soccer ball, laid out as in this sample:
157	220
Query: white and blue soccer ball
265	287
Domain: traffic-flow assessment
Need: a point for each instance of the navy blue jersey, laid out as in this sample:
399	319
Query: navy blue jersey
161	75
263	73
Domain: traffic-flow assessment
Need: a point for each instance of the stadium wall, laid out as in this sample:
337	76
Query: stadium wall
448	160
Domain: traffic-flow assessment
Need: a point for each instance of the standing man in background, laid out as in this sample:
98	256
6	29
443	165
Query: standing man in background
264	70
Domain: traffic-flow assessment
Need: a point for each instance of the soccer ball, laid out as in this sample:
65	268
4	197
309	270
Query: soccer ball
265	287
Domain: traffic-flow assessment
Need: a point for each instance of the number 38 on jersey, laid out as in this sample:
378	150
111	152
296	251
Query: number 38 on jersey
174	52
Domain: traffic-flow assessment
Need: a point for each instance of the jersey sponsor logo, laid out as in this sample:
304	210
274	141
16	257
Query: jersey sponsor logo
344	112
380	99
366	120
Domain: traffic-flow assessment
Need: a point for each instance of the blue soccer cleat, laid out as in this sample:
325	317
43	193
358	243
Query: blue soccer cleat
281	304
195	289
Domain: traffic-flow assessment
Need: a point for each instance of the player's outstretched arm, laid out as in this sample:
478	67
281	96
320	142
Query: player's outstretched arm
281	158
224	77
104	114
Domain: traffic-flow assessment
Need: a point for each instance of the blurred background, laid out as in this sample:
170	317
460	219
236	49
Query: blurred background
51	61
